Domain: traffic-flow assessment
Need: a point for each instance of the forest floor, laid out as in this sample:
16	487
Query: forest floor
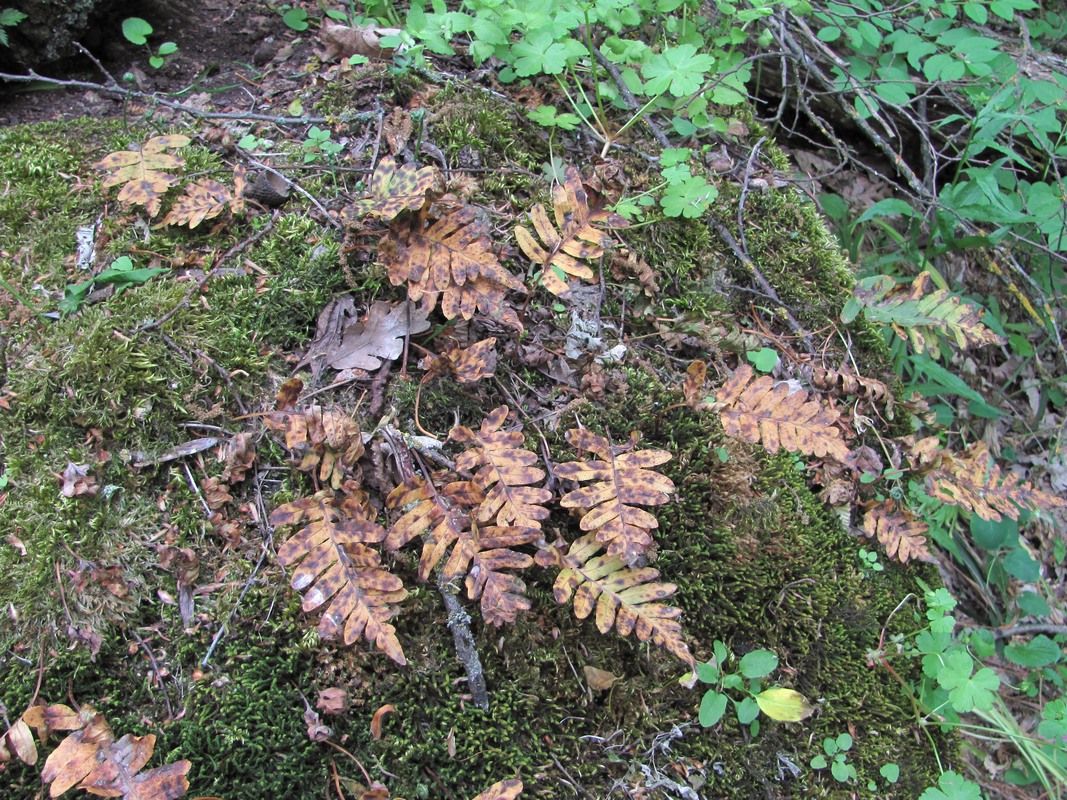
163	434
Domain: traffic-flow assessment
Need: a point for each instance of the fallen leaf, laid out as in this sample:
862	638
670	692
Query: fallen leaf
317	732
784	705
17	543
77	481
341	41
330	327
332	701
380	337
143	172
18	742
600	680
376	721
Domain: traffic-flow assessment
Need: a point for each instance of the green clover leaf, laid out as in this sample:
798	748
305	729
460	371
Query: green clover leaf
679	70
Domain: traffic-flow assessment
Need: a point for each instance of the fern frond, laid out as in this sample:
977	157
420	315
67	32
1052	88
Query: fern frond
920	315
974	482
336	562
624	598
452	259
760	411
504	472
622	479
443	520
576	240
898	531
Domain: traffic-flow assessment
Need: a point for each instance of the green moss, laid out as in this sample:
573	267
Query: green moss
758	561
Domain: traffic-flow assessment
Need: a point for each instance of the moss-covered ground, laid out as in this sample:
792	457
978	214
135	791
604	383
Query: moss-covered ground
90	611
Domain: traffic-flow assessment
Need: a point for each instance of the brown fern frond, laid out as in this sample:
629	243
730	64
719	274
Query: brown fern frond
624	598
328	443
576	240
504	472
622	479
920	315
898	531
444	521
336	561
92	759
452	259
974	482
759	411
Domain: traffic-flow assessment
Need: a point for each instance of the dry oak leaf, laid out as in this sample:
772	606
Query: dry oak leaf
144	173
342	42
503	471
443	519
920	315
898	531
760	411
622	479
379	337
452	259
975	483
502	790
336	561
625	598
392	190
572	240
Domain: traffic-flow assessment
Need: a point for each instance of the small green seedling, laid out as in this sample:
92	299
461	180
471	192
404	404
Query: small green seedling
295	18
252	142
778	703
121	274
318	144
137	31
765	359
836	751
869	560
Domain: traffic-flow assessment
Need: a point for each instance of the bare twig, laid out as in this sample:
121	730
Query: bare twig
112	86
747	262
628	97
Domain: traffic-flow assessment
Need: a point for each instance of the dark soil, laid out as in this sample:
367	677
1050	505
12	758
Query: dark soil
226	48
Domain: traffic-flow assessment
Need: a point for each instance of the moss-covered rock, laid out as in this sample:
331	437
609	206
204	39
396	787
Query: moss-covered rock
759	562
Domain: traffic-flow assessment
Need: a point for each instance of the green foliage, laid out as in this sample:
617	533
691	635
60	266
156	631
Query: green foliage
745	679
9	18
319	145
835	756
121	274
137	31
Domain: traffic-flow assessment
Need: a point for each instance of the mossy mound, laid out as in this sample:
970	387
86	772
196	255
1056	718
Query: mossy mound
759	562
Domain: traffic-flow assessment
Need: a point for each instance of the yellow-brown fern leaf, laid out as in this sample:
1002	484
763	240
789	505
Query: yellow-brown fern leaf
144	173
760	411
451	260
623	598
975	483
898	531
443	520
575	237
392	190
504	472
336	562
621	480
